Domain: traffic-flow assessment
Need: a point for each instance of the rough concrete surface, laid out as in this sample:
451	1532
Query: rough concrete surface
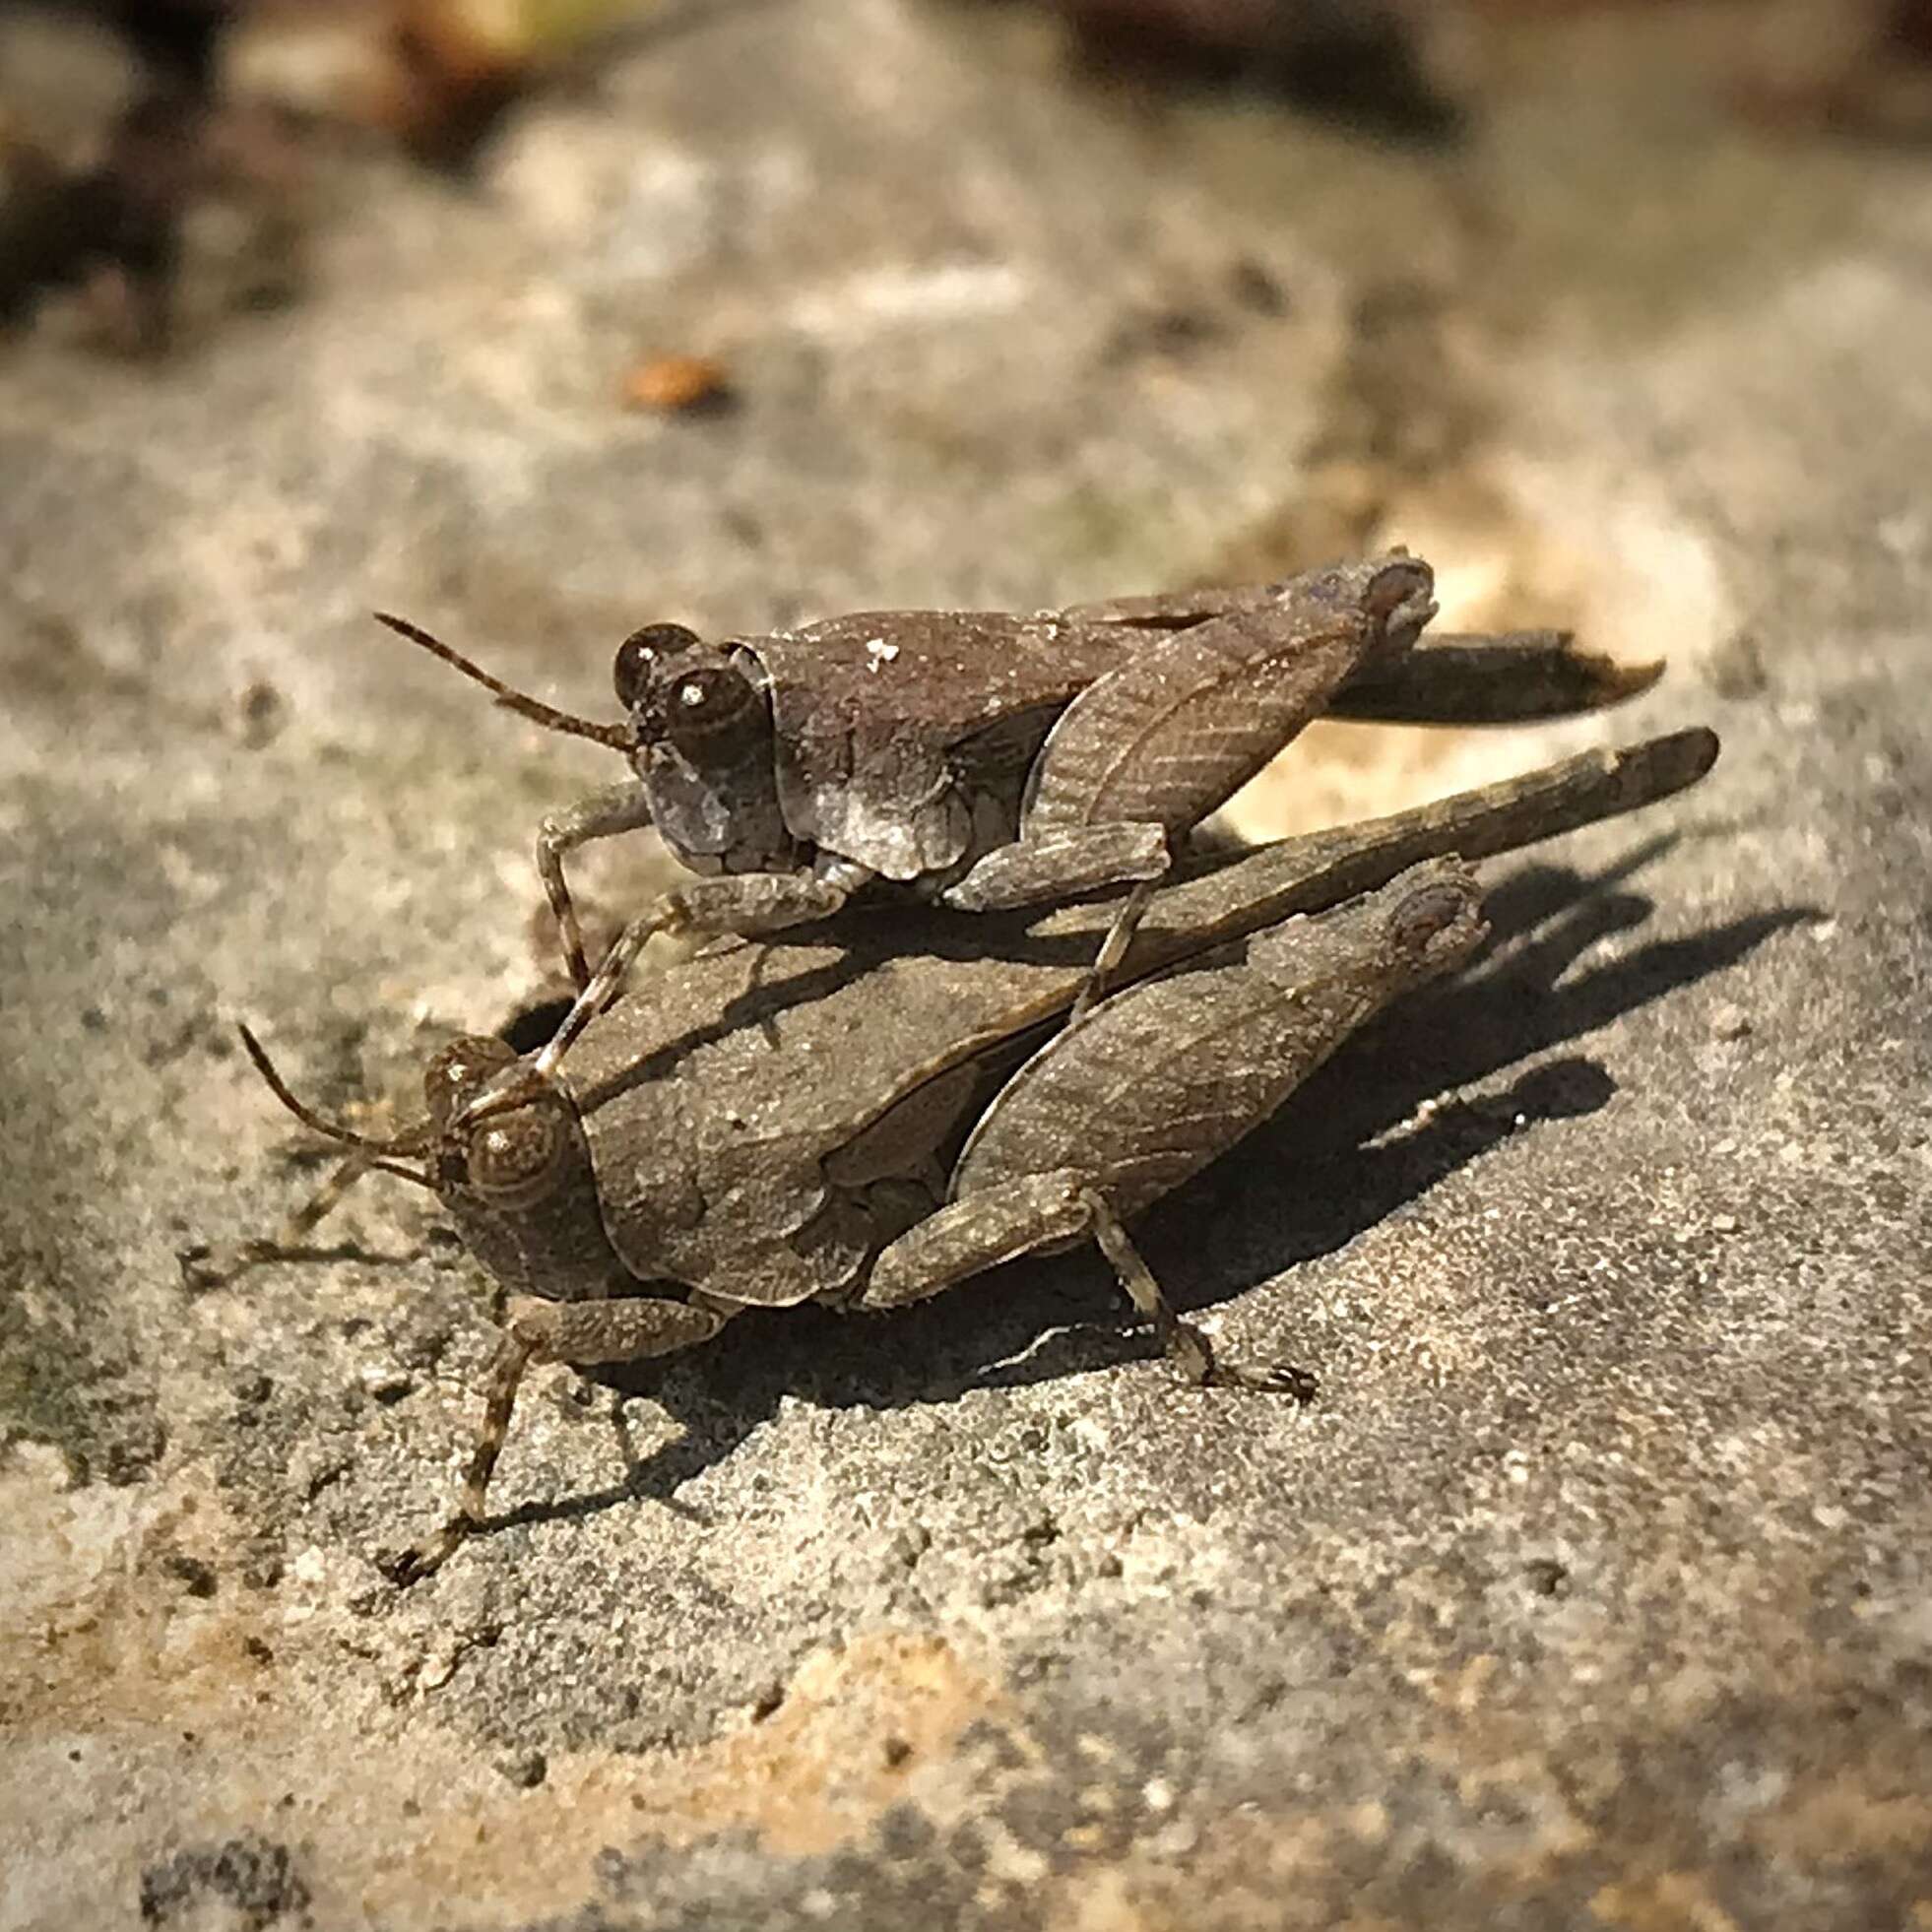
1594	1589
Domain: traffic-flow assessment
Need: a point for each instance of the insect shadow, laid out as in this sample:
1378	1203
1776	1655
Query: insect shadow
1037	1319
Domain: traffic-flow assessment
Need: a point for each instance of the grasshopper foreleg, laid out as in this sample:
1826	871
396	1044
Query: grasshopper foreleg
604	814
749	904
1042	1211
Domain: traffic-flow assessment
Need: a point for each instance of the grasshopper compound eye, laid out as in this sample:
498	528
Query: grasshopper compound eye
515	1159
641	657
710	707
460	1073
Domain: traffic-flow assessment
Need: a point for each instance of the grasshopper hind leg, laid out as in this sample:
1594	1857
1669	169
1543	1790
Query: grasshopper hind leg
1037	1211
1181	1342
748	904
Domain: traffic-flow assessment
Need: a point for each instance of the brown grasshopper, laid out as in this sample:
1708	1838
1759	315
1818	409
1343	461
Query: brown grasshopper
841	1121
992	761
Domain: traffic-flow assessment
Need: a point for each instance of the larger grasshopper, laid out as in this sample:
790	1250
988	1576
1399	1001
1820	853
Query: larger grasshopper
990	762
841	1121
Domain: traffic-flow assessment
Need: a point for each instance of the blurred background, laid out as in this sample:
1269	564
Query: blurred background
1592	1591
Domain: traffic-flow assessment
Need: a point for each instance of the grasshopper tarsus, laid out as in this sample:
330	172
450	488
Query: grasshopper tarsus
1289	1378
410	1566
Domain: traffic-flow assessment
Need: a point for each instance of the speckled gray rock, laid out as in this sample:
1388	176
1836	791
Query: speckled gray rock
1594	1587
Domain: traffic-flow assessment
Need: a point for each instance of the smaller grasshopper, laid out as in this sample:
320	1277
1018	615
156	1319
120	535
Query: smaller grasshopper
856	1121
992	761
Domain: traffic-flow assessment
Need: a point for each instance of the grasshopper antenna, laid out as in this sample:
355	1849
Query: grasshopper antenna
212	1268
368	1155
534	709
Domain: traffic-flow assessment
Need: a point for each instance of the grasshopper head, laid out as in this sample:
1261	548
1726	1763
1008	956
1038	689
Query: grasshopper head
510	1164
704	747
504	1151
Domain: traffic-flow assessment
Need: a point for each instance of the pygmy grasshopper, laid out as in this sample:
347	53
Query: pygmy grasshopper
841	1121
992	761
